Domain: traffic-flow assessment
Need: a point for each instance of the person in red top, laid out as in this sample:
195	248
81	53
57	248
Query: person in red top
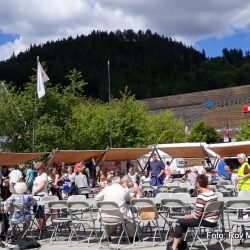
76	167
167	170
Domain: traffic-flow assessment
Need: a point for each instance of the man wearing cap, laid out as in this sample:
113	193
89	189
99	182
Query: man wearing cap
156	171
243	178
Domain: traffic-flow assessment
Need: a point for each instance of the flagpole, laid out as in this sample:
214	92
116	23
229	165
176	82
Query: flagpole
34	115
110	116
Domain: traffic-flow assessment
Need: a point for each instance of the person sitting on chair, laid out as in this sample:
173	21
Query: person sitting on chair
119	192
19	205
193	220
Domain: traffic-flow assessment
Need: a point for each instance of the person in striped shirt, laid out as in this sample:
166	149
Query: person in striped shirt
205	196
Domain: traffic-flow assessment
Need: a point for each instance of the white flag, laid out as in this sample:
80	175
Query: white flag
226	135
187	132
41	79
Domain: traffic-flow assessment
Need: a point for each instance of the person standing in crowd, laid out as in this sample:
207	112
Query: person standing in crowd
110	176
156	171
5	193
70	177
167	170
53	179
102	182
243	178
135	177
214	178
221	167
81	179
30	176
15	176
40	185
192	177
228	173
128	165
192	220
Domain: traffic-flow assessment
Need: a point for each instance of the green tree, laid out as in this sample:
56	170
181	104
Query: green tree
202	132
165	128
244	133
129	121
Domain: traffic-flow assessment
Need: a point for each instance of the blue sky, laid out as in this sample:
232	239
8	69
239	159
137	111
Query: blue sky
209	25
213	46
4	38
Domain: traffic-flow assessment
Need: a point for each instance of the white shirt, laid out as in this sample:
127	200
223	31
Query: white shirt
81	181
116	193
71	177
135	177
15	176
37	182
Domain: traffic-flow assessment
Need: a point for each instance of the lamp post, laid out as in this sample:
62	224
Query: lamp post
110	116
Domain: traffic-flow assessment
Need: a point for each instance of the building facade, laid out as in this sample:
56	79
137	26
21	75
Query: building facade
221	108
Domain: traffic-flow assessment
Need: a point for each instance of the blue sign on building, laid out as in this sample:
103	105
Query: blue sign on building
208	104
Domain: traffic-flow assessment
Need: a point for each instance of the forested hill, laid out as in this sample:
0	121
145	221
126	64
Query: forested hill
149	64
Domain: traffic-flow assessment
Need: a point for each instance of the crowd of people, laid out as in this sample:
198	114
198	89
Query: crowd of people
23	185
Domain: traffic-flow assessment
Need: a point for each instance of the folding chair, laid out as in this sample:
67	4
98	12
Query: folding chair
186	184
81	215
146	213
24	223
77	198
59	209
174	209
84	191
43	202
171	186
224	191
162	189
148	191
184	197
146	183
241	207
179	190
219	194
212	207
224	182
110	215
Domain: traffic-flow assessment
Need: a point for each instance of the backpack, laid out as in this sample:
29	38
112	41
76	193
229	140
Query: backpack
25	243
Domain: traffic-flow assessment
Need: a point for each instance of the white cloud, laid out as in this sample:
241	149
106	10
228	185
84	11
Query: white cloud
37	21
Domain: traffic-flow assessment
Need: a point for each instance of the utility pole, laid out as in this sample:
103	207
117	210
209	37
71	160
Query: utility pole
110	115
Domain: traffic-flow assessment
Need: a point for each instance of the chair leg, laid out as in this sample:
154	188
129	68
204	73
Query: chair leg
120	238
196	236
136	232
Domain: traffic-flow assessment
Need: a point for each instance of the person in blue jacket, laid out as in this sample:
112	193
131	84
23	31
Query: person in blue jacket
156	171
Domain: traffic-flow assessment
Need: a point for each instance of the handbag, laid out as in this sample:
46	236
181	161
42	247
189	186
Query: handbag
25	243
